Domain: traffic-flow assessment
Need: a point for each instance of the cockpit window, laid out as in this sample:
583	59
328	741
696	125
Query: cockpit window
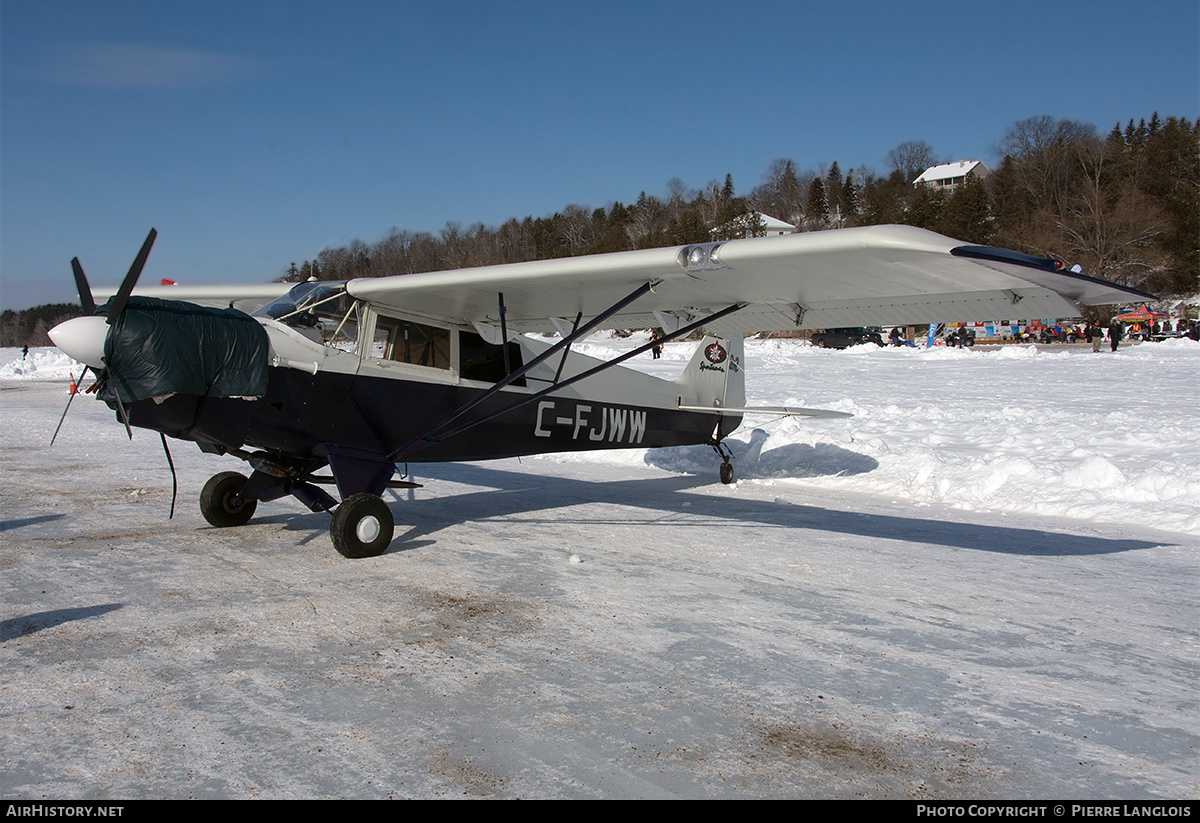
322	312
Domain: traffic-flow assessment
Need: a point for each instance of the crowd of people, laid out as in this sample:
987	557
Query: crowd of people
1093	333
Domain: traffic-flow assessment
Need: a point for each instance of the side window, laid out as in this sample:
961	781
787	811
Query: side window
480	360
408	342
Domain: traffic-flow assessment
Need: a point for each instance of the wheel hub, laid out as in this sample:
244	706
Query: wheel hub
368	529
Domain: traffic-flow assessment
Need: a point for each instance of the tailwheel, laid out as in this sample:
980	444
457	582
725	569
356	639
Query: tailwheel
726	472
217	500
362	526
726	456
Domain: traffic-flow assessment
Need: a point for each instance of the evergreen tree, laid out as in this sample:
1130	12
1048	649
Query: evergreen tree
833	194
925	209
731	206
816	206
967	213
850	198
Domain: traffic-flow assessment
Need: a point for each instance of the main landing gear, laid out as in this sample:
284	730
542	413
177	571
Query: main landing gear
362	524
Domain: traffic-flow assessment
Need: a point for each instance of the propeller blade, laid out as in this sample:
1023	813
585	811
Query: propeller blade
122	297
124	414
71	397
85	291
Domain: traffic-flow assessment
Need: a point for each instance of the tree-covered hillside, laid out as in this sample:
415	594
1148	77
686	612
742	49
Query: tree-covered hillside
1126	207
29	327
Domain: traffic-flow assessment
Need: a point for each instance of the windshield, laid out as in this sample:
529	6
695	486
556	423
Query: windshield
321	311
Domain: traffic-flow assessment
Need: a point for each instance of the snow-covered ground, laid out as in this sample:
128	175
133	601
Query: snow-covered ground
984	584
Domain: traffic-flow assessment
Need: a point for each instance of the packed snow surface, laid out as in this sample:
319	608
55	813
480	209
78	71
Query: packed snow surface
984	584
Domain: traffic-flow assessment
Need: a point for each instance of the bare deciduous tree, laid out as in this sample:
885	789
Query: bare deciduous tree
911	158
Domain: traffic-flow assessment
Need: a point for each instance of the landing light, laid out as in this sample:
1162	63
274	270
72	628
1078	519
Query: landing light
701	256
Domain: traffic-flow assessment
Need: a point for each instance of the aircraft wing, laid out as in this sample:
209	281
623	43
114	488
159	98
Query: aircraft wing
877	275
244	297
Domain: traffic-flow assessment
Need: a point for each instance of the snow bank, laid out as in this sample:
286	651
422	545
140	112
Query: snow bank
39	364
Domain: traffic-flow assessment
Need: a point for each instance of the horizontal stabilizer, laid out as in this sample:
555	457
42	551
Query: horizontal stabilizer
777	411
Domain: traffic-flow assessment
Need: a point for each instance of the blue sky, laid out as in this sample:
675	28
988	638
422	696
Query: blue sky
253	134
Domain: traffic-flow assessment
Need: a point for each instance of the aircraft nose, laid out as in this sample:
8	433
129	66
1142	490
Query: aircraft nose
82	339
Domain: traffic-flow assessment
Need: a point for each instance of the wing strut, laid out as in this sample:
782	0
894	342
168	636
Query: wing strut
504	334
567	349
431	437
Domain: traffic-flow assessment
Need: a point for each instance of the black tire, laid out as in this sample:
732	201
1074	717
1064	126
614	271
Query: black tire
726	472
362	526
216	500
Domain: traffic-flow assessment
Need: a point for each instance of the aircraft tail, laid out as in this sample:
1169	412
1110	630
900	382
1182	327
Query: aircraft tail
715	378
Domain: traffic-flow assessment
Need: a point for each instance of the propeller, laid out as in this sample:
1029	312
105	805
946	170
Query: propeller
82	338
117	304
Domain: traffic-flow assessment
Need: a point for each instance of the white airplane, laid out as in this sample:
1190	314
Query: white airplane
354	377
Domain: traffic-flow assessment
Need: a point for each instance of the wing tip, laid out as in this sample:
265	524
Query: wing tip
995	254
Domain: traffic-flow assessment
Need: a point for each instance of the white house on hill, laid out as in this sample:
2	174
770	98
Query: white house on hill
950	176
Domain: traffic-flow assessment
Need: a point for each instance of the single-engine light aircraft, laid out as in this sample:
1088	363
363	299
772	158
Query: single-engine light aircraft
352	378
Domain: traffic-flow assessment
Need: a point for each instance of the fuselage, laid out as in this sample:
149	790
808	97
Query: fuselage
317	378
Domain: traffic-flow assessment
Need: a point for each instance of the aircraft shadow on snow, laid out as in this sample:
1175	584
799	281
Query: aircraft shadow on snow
506	495
29	623
795	460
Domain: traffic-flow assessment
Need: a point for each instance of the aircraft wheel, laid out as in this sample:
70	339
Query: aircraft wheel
216	500
726	472
362	526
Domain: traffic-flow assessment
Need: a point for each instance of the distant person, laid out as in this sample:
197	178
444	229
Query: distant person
658	346
1095	336
25	352
894	337
1115	332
